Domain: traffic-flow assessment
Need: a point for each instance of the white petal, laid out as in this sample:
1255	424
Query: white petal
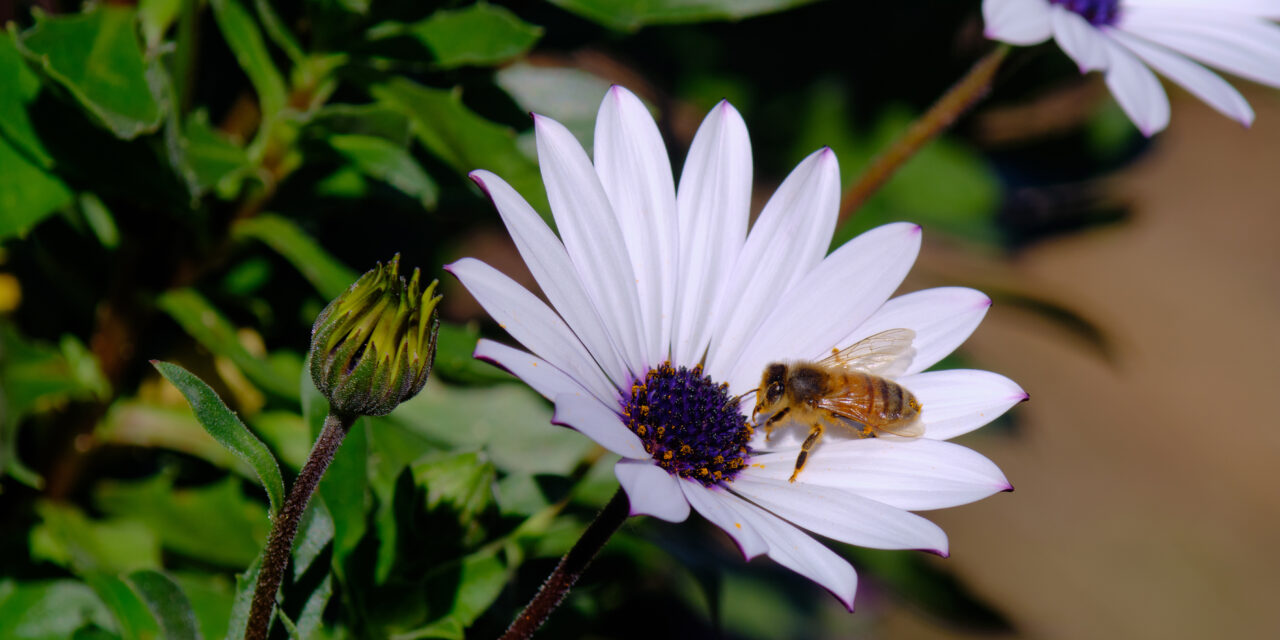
551	267
841	515
1017	21
795	550
943	318
651	490
1246	46
1197	80
589	417
1261	8
714	202
915	475
530	322
789	239
712	503
1081	40
1137	90
830	301
539	374
957	401
592	237
632	163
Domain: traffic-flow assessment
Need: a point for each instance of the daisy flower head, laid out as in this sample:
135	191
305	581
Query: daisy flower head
664	309
1127	39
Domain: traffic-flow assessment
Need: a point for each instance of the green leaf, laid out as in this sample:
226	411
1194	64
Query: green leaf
463	482
463	139
27	193
215	160
362	119
246	43
211	329
130	612
100	220
279	33
67	538
212	597
314	532
482	578
480	34
630	15
16	93
97	58
216	523
510	422
138	424
390	163
245	584
48	609
312	616
156	17
571	96
329	276
455	345
167	603
221	423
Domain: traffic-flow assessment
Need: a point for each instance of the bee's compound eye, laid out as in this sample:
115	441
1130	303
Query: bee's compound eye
774	393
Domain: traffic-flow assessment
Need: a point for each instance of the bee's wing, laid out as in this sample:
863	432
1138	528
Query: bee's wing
913	428
846	406
887	353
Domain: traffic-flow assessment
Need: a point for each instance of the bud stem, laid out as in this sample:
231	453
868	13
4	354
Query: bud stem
285	525
958	100
571	567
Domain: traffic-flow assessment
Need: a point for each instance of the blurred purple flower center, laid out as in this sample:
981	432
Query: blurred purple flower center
1097	12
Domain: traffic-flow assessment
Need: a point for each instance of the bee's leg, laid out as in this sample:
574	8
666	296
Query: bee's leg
773	422
814	436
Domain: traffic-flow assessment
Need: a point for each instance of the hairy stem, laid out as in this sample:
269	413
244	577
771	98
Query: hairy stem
285	526
571	567
958	100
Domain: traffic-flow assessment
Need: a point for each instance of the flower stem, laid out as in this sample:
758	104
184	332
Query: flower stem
959	99
571	567
285	526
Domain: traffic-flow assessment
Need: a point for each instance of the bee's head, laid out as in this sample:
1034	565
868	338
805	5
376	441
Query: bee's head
772	386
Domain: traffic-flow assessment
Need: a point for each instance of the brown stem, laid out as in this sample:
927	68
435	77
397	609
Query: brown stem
571	567
285	526
958	100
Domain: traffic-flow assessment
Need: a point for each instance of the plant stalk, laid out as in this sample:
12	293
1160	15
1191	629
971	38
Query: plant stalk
571	567
954	103
285	526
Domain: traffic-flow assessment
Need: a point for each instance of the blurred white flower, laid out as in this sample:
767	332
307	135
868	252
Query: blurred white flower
1124	37
663	307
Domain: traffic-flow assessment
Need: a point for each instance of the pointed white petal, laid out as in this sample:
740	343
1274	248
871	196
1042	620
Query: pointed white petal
651	490
957	401
788	240
943	318
795	550
1017	21
1137	90
911	475
841	515
539	374
1081	40
711	502
551	267
1244	45
1197	80
592	237
714	202
530	322
632	163
1260	8
830	301
588	416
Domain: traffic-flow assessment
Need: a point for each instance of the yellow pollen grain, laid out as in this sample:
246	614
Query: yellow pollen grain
738	525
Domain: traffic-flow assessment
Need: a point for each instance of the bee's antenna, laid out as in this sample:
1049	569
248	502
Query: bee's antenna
738	398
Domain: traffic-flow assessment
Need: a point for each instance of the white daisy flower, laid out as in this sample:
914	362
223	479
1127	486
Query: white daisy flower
1124	37
664	307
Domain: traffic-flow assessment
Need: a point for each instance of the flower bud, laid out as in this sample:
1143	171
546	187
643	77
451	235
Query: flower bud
373	346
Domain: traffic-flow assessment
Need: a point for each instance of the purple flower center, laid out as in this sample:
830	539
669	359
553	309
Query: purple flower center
689	424
1097	12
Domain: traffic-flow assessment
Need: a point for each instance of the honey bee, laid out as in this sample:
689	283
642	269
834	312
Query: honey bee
846	389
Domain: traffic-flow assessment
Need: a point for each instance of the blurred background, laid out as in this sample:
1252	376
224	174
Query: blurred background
192	181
